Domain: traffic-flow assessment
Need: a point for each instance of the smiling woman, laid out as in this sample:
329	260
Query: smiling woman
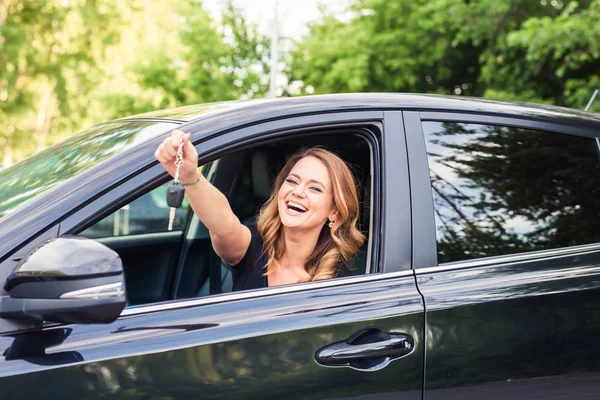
314	211
306	231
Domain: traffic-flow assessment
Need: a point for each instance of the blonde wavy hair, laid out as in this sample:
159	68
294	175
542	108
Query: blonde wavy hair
338	244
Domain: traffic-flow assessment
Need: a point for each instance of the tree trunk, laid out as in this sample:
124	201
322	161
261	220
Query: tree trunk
3	16
3	12
43	118
7	159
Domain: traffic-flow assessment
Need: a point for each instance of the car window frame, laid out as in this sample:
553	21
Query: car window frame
337	131
424	233
211	147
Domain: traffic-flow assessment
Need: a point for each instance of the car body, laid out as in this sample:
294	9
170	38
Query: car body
480	277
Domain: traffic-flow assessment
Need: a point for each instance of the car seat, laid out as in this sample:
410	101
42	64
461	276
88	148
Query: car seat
262	170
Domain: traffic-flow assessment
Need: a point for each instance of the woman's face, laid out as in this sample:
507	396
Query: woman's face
305	199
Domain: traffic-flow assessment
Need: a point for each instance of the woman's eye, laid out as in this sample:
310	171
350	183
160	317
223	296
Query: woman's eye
292	181
316	189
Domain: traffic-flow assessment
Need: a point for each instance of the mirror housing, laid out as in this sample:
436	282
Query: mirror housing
69	279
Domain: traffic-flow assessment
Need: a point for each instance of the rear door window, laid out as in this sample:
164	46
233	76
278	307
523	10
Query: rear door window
502	190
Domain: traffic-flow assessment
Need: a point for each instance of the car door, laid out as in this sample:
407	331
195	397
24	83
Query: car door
507	255
354	337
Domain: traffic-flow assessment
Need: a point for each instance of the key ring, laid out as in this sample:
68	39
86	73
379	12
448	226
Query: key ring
179	158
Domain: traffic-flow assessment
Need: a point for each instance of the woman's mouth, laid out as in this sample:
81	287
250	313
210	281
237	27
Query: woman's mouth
293	206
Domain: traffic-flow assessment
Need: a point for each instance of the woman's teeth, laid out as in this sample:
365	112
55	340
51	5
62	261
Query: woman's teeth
296	207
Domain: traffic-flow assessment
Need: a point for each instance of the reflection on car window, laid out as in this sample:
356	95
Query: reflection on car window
56	164
500	190
146	214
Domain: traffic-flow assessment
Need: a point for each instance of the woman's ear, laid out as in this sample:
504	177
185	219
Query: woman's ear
333	215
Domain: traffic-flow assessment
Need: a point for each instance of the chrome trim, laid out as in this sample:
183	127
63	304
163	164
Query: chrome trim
512	258
96	292
220	298
109	240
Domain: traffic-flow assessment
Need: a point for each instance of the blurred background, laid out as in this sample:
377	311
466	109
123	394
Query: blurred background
68	64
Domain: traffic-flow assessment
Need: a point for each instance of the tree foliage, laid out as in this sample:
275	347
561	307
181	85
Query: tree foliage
543	51
67	64
50	52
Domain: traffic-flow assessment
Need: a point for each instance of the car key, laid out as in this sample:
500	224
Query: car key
175	190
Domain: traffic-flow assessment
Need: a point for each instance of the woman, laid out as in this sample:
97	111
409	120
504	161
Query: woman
305	231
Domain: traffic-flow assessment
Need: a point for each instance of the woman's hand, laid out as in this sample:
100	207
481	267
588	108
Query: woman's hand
167	152
230	239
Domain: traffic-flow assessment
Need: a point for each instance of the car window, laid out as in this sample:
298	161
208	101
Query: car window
146	214
161	267
502	190
56	164
247	178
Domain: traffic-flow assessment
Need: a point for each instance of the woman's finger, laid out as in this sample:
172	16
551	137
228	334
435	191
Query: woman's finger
175	135
160	158
161	152
169	150
189	151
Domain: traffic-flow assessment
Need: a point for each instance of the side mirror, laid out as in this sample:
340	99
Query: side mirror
69	279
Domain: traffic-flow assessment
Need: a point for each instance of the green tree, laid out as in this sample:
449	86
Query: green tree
50	53
386	46
553	57
545	51
66	65
195	60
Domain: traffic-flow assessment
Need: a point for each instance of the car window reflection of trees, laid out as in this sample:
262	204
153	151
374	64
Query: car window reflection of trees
500	190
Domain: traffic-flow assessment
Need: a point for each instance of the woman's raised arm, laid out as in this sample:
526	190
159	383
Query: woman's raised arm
230	239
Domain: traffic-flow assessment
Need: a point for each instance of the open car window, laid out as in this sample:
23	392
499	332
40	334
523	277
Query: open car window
161	265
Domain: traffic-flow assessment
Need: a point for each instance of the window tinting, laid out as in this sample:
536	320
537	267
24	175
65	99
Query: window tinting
500	190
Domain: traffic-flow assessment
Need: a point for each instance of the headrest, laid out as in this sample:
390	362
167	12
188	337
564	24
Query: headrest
263	174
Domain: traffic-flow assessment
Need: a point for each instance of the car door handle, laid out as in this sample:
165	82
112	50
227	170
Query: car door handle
367	350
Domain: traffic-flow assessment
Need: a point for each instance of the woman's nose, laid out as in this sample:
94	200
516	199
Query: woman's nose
298	191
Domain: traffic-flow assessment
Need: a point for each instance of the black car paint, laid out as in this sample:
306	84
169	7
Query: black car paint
521	328
513	323
219	347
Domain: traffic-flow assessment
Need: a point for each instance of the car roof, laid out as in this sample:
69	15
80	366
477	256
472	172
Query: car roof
365	101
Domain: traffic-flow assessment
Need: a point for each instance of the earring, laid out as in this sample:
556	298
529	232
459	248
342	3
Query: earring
330	224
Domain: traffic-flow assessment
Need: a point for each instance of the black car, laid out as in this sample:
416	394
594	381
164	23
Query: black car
480	277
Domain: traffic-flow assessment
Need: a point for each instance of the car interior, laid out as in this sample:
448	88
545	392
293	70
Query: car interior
176	265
